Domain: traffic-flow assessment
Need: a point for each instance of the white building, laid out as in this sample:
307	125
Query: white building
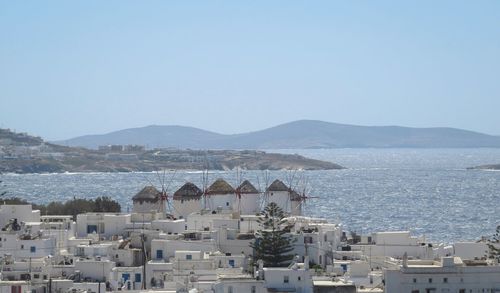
106	225
97	269
22	213
296	278
187	200
451	274
220	196
62	228
248	199
239	283
126	278
169	226
164	249
471	250
395	244
286	198
149	201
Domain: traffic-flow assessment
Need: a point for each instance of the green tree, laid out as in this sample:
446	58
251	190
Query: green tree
494	244
273	243
72	207
2	187
106	204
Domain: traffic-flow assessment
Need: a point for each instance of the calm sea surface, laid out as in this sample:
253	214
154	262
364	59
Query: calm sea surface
427	191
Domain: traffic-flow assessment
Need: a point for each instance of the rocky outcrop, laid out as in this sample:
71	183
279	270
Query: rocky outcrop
486	167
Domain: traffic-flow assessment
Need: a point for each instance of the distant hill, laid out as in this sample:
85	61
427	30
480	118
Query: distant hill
495	167
22	153
150	136
297	134
9	137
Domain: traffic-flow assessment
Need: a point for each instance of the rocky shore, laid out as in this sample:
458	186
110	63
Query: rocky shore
94	161
486	167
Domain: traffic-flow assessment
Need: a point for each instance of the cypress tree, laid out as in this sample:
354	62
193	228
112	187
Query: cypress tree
493	244
272	244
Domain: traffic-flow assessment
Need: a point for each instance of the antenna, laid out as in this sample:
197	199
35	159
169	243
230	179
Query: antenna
165	184
204	184
165	188
304	195
238	184
145	259
264	192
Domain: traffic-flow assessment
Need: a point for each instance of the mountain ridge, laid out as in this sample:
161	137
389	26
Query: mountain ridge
295	134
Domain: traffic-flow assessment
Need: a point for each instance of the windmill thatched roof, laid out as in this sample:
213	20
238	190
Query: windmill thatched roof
277	185
188	190
220	186
148	193
295	196
247	188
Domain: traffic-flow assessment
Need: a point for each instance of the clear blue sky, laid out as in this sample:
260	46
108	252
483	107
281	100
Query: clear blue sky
69	68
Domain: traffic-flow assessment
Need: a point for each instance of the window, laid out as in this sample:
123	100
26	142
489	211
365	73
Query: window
227	204
299	278
22	246
253	289
414	280
137	278
36	276
189	257
286	279
231	263
159	254
33	249
445	280
344	267
91	229
430	280
126	277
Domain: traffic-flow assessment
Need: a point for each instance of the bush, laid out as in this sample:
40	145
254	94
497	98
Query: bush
72	207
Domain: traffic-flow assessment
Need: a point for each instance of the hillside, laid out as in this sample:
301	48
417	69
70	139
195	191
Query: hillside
486	167
8	137
22	153
297	134
150	136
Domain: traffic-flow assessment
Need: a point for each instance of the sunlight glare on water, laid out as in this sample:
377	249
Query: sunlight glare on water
427	191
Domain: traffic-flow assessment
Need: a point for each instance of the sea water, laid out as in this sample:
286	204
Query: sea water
427	191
